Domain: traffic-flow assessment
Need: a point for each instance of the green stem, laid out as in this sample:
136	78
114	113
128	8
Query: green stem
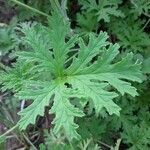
27	139
147	15
8	131
30	8
104	144
146	24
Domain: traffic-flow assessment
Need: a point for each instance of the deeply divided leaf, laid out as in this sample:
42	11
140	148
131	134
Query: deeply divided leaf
65	68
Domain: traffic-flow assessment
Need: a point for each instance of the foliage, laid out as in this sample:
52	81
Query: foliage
83	78
140	7
130	34
79	75
7	35
95	11
138	137
102	9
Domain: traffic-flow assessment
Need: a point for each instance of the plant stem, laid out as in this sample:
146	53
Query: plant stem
147	15
30	8
8	131
27	139
146	24
104	144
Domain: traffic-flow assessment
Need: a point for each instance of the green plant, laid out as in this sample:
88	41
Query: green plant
139	139
95	11
70	75
7	35
141	7
103	9
130	34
